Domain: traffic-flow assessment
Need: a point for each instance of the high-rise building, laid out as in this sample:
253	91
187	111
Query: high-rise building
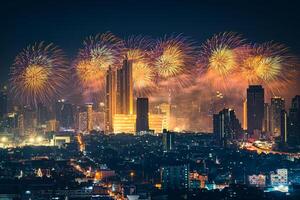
168	141
255	108
89	117
165	108
245	114
294	122
142	118
67	113
125	88
277	105
283	127
266	122
58	109
175	177
226	126
111	94
98	121
82	121
158	122
3	103
42	114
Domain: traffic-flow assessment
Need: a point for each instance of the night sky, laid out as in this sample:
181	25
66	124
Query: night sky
67	23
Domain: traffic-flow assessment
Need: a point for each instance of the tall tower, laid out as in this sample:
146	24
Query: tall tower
245	114
111	92
89	117
266	123
255	108
142	119
125	89
277	105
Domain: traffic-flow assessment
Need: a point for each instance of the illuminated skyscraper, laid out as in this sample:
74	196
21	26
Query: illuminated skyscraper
89	117
3	103
125	89
283	127
255	108
111	92
277	105
294	122
142	118
165	108
245	114
266	123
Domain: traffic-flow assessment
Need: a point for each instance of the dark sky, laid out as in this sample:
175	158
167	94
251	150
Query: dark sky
67	23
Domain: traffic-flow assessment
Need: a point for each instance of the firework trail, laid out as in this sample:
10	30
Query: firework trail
269	64
173	60
137	50
38	75
97	55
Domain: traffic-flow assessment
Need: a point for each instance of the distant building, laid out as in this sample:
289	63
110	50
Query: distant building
226	127
277	105
111	95
42	114
168	141
280	177
3	103
294	122
266	123
175	177
142	117
52	125
67	114
82	121
255	108
99	121
257	180
124	123
89	117
283	127
158	122
165	108
245	115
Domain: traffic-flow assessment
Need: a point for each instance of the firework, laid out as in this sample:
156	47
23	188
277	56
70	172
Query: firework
269	64
173	56
220	54
102	51
143	75
38	74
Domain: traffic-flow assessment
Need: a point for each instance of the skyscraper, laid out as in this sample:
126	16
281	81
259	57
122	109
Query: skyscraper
245	114
111	91
277	105
89	117
294	122
283	127
3	103
255	108
42	114
125	88
142	118
266	123
67	114
226	126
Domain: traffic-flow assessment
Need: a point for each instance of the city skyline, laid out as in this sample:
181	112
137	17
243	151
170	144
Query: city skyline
149	100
